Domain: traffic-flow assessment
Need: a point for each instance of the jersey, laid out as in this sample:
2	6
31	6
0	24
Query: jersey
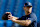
31	17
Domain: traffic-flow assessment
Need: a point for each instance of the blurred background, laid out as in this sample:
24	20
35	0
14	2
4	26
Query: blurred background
16	8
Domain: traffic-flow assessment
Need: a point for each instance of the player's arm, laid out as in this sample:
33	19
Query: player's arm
23	22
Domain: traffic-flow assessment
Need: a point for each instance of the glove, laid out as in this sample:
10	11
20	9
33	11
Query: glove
5	16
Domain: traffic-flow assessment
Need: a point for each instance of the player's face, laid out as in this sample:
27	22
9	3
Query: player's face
28	9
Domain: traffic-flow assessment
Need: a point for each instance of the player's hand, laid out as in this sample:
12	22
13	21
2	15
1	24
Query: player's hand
10	17
8	12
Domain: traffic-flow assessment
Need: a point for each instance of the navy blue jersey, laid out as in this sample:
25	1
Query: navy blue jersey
31	17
